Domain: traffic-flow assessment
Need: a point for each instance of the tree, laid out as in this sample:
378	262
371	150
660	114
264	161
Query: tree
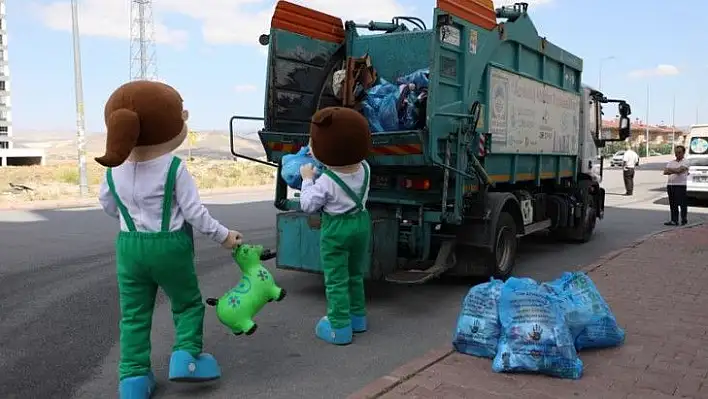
192	139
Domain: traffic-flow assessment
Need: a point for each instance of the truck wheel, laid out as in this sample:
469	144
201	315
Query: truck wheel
503	255
584	232
581	233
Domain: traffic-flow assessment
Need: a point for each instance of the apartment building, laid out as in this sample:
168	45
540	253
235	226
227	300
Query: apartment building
5	112
9	154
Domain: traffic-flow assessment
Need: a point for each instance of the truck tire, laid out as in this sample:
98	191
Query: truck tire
502	257
585	230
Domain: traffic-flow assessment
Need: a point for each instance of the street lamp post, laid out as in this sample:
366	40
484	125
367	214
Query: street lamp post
599	77
673	125
646	123
78	87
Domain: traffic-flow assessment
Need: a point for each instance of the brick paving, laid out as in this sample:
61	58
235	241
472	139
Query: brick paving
658	291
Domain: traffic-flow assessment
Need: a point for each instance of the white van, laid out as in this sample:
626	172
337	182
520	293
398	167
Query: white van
697	157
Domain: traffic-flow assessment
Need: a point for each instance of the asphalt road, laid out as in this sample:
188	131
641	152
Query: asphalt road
59	313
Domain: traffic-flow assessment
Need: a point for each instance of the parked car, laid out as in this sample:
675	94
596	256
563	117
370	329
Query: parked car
617	160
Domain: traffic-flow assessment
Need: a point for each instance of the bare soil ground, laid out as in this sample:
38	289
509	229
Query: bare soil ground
212	166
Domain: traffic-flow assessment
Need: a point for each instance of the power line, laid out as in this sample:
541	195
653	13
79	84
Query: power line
143	63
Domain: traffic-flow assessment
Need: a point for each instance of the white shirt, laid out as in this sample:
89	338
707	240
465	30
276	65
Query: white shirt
325	193
141	188
630	159
678	179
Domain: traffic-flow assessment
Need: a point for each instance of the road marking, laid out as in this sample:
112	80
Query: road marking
78	209
20	217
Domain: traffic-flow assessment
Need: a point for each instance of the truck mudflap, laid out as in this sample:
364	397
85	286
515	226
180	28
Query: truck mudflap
298	244
600	201
444	261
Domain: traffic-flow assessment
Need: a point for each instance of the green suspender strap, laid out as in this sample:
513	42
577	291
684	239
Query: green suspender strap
169	193
121	207
358	199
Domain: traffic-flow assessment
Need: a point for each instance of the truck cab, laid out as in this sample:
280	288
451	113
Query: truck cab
697	157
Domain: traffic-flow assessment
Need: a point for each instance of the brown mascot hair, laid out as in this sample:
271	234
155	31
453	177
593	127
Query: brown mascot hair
140	113
340	136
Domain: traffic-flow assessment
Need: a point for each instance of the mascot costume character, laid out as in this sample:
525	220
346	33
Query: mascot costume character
156	201
340	139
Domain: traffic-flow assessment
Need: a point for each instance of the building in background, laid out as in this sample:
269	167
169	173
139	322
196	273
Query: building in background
9	155
658	134
5	116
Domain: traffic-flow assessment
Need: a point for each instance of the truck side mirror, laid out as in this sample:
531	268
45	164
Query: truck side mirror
624	123
624	128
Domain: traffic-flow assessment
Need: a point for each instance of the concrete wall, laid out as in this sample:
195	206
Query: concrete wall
22	157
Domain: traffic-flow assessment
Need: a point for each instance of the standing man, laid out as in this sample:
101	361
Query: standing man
631	160
677	172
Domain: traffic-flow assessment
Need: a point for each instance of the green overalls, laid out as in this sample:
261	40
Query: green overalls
146	261
344	246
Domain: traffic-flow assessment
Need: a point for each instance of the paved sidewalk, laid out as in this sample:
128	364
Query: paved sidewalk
658	291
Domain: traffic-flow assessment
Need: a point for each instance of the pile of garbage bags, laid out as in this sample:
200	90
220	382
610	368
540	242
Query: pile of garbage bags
400	106
526	326
291	164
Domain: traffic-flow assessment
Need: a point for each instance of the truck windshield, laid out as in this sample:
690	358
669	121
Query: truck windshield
698	146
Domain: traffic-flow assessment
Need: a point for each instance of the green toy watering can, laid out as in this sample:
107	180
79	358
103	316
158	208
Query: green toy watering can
239	305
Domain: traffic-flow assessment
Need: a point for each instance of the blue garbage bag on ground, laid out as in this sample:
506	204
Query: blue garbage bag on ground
478	328
588	316
290	170
534	336
380	107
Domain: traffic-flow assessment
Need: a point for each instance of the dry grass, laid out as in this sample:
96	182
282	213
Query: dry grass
60	180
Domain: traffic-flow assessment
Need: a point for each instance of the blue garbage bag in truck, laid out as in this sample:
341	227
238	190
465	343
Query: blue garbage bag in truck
588	316
420	78
534	336
390	107
380	107
478	328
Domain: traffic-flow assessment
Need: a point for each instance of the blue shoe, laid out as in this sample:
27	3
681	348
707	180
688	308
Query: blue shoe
186	368
140	387
340	336
359	324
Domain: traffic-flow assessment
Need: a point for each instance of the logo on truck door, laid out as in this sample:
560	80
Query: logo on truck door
527	211
473	42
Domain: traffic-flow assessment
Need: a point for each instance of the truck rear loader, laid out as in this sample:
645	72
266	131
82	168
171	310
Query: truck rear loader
506	145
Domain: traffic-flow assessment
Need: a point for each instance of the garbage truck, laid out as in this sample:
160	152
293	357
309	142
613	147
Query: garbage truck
503	142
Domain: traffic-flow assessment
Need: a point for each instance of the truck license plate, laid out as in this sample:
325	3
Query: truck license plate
700	179
380	182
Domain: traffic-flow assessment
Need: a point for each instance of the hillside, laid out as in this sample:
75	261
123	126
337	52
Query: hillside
210	145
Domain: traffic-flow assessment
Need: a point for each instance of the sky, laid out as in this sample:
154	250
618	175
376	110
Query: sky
209	51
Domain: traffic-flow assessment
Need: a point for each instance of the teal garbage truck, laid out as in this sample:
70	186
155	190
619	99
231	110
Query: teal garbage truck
502	142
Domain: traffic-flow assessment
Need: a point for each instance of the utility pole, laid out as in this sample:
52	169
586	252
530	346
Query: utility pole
599	78
699	103
673	125
647	125
143	64
78	88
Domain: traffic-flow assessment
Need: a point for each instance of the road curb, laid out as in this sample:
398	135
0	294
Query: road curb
385	384
388	382
81	203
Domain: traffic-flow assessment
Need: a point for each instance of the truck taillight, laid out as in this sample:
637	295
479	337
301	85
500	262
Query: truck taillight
416	184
